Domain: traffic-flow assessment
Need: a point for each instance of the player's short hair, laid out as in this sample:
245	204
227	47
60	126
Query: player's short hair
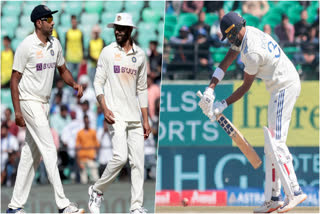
154	42
73	17
7	38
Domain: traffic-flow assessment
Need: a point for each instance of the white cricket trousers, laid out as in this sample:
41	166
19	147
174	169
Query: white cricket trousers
280	108
128	142
38	142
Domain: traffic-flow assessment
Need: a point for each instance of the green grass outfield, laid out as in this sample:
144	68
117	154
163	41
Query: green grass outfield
212	209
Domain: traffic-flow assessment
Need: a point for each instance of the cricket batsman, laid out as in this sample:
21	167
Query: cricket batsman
33	70
263	58
121	90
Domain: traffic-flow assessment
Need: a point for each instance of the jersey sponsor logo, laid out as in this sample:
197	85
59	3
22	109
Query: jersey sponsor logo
128	70
39	54
117	57
43	66
116	69
52	52
134	59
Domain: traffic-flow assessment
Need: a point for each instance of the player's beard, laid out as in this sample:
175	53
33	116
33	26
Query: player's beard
122	38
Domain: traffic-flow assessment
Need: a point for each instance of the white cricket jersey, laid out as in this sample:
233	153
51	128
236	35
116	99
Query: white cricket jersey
121	77
263	57
37	62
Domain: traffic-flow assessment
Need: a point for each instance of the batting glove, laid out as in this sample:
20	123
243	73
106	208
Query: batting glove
206	101
218	107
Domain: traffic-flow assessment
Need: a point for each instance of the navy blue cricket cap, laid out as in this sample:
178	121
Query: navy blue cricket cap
228	22
41	11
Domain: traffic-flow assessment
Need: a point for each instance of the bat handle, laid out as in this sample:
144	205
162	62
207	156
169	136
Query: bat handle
199	94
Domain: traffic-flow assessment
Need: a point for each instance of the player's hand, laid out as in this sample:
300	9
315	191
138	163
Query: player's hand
146	129
206	101
19	120
109	117
218	107
79	90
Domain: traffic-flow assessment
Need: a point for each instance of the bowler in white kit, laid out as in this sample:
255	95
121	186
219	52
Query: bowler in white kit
263	58
121	90
34	65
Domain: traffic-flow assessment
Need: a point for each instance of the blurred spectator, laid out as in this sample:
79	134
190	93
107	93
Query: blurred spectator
65	92
203	54
301	28
184	37
87	145
59	121
13	128
74	48
200	24
105	151
153	94
155	119
183	53
173	7
267	29
88	91
7	57
305	4
255	8
8	175
96	45
155	61
215	32
192	6
313	37
85	110
9	144
55	107
285	30
213	6
68	138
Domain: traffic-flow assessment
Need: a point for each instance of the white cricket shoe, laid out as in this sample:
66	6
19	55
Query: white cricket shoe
72	208
292	202
139	210
269	206
94	200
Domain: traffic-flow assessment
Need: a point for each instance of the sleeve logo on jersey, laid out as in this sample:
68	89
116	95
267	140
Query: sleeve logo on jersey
134	59
116	69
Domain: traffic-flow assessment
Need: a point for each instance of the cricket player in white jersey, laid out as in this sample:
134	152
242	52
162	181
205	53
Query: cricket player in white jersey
263	58
35	61
121	87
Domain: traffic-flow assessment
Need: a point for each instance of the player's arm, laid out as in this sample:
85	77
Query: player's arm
244	88
14	82
142	92
98	83
222	68
68	79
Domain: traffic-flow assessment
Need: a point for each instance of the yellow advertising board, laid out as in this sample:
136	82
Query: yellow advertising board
250	115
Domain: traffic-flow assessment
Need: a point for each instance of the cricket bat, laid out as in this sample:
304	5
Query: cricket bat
238	138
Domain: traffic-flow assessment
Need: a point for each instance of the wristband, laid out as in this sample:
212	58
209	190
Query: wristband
218	73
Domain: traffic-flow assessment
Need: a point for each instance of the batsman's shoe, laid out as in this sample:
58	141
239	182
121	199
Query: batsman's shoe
269	206
94	200
19	211
292	202
139	210
72	208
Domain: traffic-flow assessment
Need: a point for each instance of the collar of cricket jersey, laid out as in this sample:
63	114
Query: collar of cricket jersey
244	39
38	41
133	49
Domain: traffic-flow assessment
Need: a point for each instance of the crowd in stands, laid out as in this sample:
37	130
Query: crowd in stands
193	39
78	126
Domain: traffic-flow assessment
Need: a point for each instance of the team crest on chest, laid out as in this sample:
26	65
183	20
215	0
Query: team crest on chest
134	59
52	52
